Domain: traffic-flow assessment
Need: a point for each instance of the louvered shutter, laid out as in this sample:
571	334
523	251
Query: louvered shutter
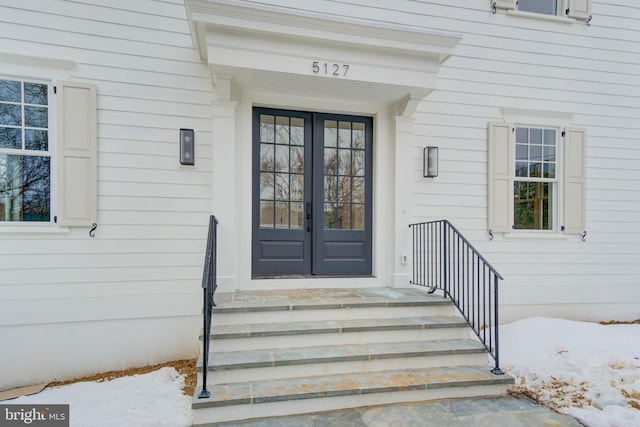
579	9
77	169
504	4
500	177
574	182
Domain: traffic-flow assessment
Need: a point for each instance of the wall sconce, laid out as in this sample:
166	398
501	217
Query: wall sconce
187	147
430	162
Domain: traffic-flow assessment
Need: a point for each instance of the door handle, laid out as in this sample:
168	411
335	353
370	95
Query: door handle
309	216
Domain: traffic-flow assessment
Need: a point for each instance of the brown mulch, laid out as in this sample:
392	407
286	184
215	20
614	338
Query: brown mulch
186	367
617	322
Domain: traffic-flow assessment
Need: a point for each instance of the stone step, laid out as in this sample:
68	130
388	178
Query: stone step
330	392
335	332
231	367
368	304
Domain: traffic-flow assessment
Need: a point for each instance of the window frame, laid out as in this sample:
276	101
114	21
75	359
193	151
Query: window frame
49	153
556	182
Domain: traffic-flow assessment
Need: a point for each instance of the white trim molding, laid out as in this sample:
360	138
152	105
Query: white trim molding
36	61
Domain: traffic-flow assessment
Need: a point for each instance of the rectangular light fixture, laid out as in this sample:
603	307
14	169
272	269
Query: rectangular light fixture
430	162
187	147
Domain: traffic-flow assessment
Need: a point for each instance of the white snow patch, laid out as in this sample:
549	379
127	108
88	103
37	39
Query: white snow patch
150	400
586	370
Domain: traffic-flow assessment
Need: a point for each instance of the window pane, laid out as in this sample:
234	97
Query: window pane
548	7
533	205
24	188
10	115
549	137
535	136
36	139
266	128
535	170
522	169
10	91
358	135
266	215
549	154
10	138
522	152
35	117
522	135
549	170
35	93
535	152
344	135
282	130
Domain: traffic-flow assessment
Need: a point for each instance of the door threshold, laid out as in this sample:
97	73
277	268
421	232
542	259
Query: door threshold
312	276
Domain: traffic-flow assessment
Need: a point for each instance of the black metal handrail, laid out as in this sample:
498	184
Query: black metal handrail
444	259
209	285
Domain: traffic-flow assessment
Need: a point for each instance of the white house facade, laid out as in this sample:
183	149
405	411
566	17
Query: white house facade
310	121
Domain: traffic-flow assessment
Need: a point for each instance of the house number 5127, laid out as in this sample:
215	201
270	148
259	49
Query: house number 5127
328	69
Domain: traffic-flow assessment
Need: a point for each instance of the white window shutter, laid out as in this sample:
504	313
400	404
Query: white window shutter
504	4
579	9
574	180
500	177
76	154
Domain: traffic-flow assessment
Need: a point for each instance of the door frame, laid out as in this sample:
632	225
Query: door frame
315	250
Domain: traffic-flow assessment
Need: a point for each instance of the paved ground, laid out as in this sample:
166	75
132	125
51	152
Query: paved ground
481	412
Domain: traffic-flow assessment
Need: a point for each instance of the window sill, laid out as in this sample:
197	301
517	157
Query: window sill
541	16
538	236
33	229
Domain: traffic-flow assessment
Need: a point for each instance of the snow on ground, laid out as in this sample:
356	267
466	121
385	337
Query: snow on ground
586	370
150	400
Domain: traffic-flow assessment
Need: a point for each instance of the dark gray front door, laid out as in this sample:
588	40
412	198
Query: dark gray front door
311	193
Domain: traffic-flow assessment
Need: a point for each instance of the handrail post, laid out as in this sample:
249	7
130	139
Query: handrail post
209	285
496	370
445	259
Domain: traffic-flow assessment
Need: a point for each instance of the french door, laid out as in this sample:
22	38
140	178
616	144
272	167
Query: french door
311	193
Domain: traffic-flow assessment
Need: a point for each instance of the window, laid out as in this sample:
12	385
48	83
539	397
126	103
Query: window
27	173
536	178
576	9
535	184
25	159
547	7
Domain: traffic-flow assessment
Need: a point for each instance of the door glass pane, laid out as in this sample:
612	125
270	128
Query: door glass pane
282	158
267	128
282	130
344	189
358	164
282	186
297	187
330	216
344	135
344	216
330	133
282	214
357	217
297	215
266	214
344	162
357	190
330	188
267	157
266	185
297	159
330	161
358	135
297	131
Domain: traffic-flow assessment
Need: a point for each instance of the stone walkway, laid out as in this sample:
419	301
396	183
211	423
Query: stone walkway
481	412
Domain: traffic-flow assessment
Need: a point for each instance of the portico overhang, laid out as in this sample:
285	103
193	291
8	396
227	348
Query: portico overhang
266	48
